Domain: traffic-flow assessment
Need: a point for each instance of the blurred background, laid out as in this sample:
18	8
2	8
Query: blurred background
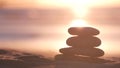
40	26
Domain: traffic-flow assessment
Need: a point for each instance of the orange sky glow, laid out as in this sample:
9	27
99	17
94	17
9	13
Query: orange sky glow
39	3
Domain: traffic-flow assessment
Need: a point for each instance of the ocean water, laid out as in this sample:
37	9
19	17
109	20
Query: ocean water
34	30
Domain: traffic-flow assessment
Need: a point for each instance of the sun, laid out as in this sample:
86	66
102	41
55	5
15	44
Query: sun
79	23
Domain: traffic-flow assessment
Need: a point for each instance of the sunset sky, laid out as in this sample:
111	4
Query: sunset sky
53	24
81	3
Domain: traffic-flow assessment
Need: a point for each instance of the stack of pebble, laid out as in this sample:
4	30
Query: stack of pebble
83	43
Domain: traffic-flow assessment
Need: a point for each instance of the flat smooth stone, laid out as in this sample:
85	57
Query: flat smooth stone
91	52
83	42
83	31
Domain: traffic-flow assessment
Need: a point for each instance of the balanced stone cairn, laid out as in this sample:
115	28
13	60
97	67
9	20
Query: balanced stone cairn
82	45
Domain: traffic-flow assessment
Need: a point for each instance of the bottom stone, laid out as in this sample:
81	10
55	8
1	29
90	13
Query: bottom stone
90	52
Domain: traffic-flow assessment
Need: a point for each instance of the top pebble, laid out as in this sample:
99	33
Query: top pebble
83	31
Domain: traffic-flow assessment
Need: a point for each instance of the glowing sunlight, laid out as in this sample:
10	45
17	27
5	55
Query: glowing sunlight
79	23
